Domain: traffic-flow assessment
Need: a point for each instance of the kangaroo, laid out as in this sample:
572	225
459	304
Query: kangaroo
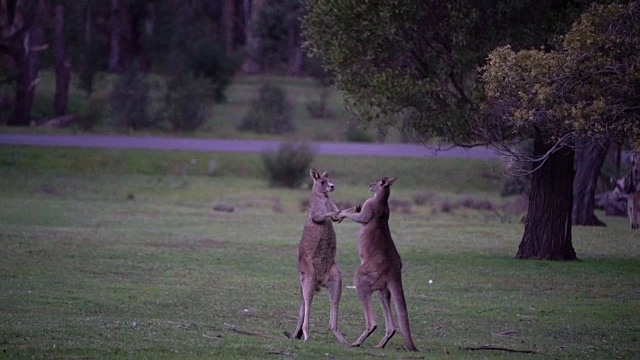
630	185
380	265
317	257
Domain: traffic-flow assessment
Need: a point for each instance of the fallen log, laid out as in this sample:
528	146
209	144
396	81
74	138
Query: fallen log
614	203
60	121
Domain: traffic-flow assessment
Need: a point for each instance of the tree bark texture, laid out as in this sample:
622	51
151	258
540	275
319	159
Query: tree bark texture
63	69
296	55
115	51
589	158
251	64
27	60
547	231
229	25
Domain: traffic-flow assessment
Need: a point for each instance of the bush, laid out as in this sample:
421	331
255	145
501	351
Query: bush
356	134
129	101
318	108
185	107
207	59
289	165
92	115
270	113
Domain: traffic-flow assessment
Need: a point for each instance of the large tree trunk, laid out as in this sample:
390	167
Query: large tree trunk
63	70
588	161
115	52
229	22
27	60
547	230
252	64
296	55
22	109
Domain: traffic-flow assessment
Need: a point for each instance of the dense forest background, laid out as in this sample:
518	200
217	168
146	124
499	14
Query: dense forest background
186	41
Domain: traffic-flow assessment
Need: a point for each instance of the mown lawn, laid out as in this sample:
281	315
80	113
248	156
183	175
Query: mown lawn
119	254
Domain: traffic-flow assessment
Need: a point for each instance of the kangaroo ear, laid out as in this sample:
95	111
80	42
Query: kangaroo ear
325	174
390	181
314	174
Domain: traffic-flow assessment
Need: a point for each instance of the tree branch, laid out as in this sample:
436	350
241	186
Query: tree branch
497	348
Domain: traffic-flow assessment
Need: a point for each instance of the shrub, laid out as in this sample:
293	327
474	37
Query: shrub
207	59
129	101
92	115
185	107
288	166
270	113
318	108
356	134
323	79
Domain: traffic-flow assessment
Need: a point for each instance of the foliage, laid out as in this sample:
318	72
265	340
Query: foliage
270	112
208	59
185	106
390	57
272	25
92	116
289	165
586	88
317	107
356	134
129	98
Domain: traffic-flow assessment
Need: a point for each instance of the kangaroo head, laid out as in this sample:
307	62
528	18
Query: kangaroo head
382	185
321	183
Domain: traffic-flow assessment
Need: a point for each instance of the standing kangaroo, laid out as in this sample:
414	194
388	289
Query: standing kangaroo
380	265
317	257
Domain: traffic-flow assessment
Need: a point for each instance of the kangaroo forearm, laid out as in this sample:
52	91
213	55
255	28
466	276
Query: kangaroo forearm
320	218
360	218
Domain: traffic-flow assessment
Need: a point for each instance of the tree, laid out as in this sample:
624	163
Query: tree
589	158
583	92
276	28
413	65
63	68
22	38
418	60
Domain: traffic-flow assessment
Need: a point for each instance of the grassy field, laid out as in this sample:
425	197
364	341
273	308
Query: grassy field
225	117
119	254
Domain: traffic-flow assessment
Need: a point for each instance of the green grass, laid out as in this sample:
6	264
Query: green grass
118	254
225	117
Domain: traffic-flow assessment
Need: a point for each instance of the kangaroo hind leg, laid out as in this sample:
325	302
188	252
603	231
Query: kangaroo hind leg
297	334
364	294
390	328
308	289
334	288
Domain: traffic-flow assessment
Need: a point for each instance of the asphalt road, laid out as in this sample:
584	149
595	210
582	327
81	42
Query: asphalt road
242	146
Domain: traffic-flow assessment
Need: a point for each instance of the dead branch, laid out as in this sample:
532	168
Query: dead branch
498	348
506	333
60	121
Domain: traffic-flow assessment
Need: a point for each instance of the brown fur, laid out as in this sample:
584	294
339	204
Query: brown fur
380	265
316	259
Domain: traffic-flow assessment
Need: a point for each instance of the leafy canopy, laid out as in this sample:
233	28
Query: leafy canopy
412	64
588	87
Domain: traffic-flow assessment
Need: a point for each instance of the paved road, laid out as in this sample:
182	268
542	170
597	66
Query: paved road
241	146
